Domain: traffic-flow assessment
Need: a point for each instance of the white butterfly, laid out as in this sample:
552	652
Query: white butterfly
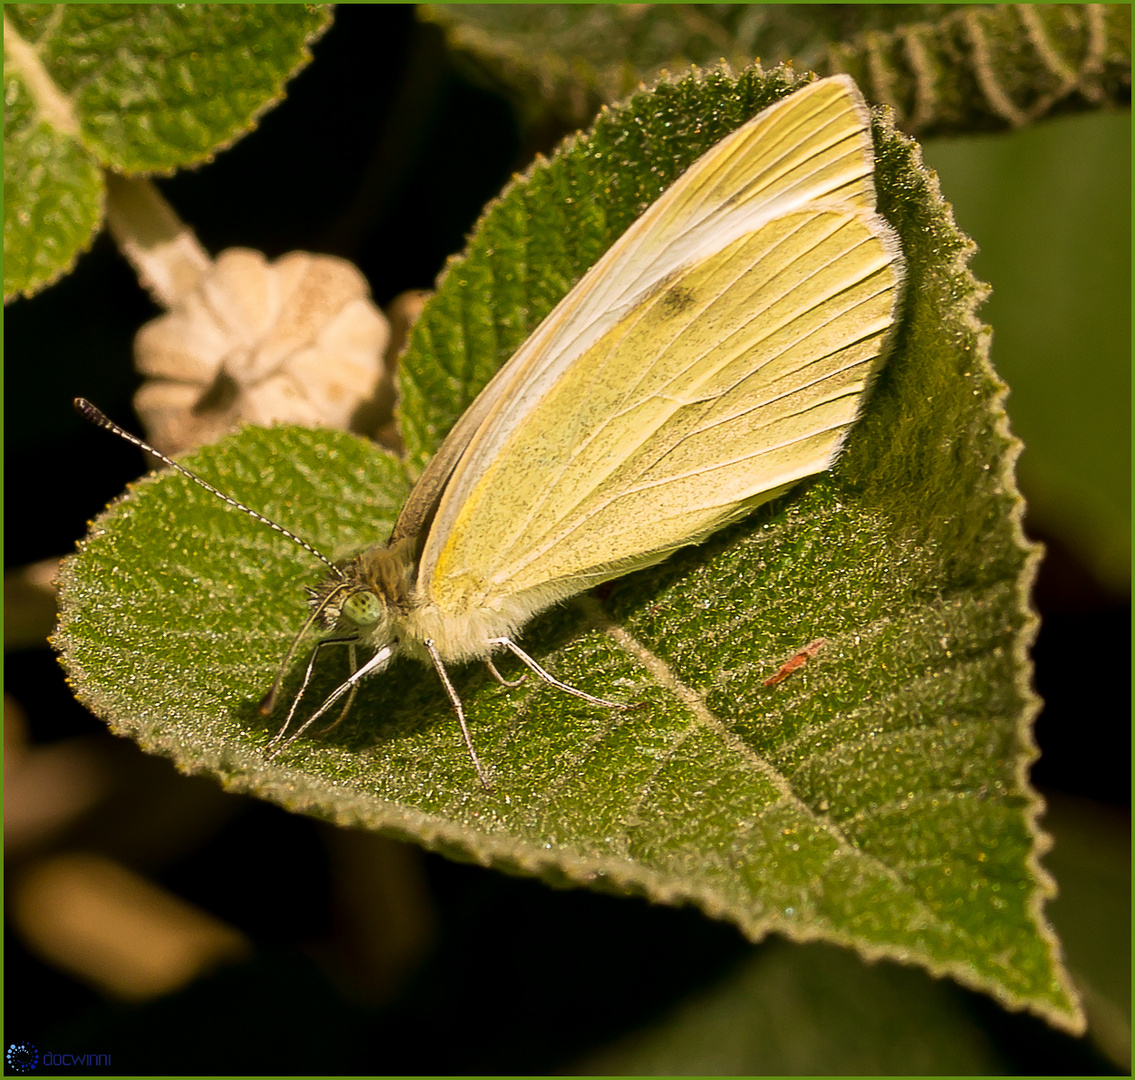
717	354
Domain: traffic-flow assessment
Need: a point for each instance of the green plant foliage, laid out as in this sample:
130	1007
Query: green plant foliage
1091	858
567	59
810	1011
941	67
875	799
130	87
1063	320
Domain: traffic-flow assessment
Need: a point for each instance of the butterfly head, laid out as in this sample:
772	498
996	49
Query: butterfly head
370	595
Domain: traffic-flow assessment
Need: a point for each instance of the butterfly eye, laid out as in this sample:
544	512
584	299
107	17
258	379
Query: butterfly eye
363	608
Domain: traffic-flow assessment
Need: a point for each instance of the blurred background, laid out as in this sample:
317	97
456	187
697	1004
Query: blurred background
379	958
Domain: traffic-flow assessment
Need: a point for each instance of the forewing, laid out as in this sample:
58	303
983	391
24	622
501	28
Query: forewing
733	379
814	145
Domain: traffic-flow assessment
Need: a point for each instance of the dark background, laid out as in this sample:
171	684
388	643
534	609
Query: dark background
359	161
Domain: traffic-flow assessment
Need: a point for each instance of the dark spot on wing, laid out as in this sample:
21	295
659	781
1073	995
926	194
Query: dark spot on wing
676	299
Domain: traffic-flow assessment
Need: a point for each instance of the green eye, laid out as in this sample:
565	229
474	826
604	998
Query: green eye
363	608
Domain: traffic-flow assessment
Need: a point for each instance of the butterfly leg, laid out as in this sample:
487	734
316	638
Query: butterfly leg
510	683
458	708
354	661
375	663
307	679
549	678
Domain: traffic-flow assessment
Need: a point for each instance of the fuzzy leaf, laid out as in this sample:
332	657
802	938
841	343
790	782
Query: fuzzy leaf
875	798
567	59
137	88
810	1011
1064	321
942	68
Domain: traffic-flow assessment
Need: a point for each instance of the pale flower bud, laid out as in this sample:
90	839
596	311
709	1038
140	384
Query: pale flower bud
294	341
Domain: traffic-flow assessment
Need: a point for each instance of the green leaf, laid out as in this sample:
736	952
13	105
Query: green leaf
1063	321
137	88
942	68
1091	858
808	1011
876	798
992	67
567	59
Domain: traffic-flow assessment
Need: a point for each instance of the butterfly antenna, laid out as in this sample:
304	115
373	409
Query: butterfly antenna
85	409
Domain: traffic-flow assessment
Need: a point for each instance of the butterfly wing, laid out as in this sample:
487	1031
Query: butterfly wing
717	393
813	145
721	352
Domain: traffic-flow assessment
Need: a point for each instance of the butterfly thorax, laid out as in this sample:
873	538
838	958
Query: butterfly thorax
375	599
